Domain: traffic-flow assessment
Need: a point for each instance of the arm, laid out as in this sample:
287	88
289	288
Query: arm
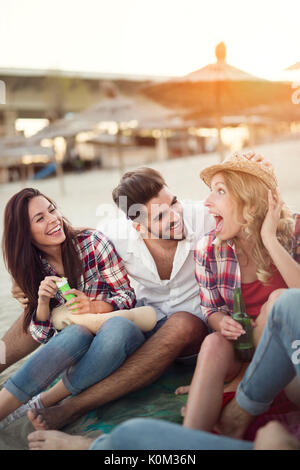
114	290
120	294
215	310
284	262
40	327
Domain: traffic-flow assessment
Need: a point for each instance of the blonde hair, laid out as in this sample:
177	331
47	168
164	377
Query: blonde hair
250	195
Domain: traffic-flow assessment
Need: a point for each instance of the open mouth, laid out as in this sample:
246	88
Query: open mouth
219	222
55	231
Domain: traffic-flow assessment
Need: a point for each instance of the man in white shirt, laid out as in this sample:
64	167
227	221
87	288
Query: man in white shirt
156	241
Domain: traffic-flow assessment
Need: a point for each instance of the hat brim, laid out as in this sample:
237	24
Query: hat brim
247	167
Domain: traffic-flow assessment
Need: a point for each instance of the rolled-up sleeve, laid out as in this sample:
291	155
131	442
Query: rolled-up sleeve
41	331
112	272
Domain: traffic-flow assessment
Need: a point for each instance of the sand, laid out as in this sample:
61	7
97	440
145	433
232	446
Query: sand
86	193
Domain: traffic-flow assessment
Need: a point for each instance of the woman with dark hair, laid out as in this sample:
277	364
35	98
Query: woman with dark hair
39	247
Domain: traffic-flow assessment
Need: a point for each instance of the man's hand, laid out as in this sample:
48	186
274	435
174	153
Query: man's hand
274	436
18	294
255	157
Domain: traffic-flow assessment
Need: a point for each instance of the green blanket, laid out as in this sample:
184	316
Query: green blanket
155	401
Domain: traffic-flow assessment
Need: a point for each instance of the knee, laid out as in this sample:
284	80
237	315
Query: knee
286	302
122	330
275	295
76	331
187	325
215	348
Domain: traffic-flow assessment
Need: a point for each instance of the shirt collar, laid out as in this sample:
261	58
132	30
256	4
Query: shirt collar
229	242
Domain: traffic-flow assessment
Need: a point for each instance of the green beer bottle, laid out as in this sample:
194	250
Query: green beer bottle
244	346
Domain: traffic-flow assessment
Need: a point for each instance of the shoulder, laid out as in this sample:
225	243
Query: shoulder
205	246
119	231
92	239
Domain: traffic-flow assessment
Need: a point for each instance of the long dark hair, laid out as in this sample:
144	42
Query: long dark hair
21	256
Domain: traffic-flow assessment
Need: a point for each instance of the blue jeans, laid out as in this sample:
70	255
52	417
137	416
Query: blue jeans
83	358
275	362
155	434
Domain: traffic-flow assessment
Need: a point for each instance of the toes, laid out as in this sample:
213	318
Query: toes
36	436
37	420
182	390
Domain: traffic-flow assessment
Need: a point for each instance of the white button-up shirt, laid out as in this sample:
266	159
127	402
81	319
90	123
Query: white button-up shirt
181	291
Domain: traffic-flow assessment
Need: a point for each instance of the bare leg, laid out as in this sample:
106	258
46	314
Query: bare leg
17	344
235	420
8	403
293	391
56	440
182	334
55	394
216	363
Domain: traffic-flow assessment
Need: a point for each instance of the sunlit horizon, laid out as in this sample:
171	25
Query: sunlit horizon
157	38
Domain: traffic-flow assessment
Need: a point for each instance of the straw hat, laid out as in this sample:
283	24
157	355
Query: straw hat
238	162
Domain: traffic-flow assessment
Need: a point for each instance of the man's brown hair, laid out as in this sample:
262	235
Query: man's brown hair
138	187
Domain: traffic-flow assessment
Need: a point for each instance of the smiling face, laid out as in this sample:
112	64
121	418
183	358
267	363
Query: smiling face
46	223
164	217
224	209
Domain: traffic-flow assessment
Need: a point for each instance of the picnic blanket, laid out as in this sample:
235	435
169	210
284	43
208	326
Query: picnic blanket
155	401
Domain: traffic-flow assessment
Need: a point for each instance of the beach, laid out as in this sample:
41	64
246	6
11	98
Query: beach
87	200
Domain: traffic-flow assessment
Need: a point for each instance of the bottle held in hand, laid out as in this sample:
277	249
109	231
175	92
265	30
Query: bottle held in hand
244	346
64	287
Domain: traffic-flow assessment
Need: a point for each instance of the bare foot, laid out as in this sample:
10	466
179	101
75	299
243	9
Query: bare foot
37	419
234	420
56	440
48	418
182	390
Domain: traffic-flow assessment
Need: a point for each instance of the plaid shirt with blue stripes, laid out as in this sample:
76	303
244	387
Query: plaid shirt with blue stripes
105	278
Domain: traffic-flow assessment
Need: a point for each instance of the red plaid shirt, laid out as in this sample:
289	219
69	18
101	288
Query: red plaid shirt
104	278
218	276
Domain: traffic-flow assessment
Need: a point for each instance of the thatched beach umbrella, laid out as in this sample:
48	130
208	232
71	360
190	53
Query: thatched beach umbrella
216	90
17	151
122	112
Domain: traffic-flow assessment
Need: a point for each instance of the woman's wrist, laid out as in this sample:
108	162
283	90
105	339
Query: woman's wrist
43	310
270	242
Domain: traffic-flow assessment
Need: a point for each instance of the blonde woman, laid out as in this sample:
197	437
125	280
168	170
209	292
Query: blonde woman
254	246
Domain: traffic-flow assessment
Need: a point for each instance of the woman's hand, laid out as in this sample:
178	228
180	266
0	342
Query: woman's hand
270	224
230	328
48	289
18	294
79	304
